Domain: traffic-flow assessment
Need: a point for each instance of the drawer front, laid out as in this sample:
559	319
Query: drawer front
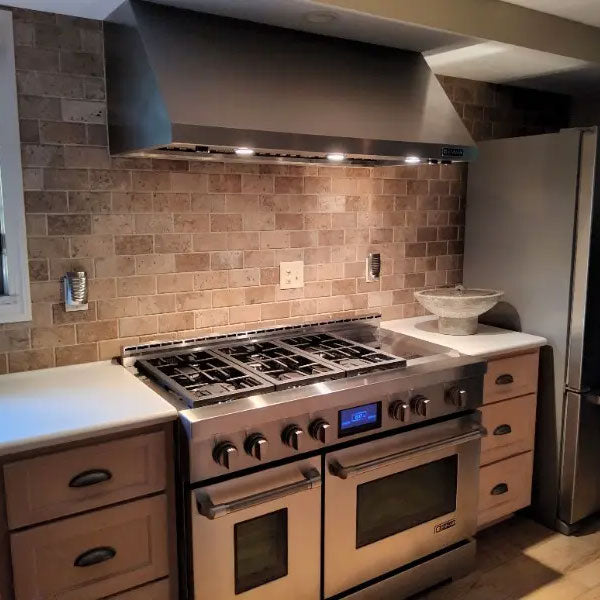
511	377
94	555
159	590
510	428
55	485
504	487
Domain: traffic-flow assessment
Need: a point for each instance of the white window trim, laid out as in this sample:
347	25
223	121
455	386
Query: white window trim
15	305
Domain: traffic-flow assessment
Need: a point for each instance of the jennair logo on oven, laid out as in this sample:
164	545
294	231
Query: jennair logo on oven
443	526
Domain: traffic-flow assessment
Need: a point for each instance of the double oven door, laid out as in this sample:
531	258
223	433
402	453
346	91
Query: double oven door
395	500
387	502
259	536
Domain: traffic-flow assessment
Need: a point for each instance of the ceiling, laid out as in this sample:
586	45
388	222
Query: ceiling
582	11
502	63
337	22
295	14
447	53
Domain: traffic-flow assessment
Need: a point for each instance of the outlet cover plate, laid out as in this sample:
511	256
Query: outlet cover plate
291	275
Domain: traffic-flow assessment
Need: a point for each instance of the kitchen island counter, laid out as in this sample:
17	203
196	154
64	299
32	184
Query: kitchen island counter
44	408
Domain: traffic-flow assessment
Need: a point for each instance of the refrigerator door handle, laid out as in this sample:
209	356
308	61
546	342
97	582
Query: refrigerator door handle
584	266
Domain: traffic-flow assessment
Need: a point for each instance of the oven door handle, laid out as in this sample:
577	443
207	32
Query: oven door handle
311	479
335	468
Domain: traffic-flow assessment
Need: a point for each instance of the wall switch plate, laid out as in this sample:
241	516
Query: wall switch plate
291	275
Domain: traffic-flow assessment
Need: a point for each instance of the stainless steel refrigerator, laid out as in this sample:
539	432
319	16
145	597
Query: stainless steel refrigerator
533	230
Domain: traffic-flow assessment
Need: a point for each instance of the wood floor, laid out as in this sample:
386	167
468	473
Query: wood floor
521	559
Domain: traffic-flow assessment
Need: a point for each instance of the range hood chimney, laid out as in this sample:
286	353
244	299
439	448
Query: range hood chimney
188	84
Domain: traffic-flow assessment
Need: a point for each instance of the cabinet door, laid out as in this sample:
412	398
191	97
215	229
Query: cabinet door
63	483
94	555
511	377
510	428
504	487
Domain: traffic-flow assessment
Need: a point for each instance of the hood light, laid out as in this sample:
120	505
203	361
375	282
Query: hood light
244	151
412	160
336	157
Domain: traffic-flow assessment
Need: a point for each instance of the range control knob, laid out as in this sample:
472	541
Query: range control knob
319	430
292	436
256	445
420	405
399	411
457	397
224	454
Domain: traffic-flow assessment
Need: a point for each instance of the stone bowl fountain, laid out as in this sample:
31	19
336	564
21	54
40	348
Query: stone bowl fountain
458	308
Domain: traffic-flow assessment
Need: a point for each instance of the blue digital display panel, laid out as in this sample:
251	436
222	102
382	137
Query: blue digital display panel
359	418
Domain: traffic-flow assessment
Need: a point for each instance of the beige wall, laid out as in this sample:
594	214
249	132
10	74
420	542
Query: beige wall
181	249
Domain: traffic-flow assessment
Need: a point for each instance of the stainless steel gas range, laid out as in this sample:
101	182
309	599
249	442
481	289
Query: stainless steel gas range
330	460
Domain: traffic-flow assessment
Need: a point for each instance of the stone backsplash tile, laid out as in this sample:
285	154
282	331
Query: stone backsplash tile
180	249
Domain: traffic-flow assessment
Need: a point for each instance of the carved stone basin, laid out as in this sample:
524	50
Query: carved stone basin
458	308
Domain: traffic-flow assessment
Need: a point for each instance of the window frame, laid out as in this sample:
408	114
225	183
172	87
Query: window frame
15	301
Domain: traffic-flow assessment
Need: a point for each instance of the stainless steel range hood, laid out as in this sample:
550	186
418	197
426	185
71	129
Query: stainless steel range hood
193	85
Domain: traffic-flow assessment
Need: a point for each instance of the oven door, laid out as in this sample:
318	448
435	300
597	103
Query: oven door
258	536
391	501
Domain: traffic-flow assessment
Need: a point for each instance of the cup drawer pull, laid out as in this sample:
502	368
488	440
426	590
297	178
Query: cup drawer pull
505	379
503	429
92	477
499	489
95	556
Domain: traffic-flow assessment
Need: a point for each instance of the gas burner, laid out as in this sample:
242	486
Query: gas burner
282	365
207	371
201	377
354	358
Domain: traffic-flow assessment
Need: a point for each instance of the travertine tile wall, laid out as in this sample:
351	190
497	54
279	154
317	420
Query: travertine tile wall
178	249
492	111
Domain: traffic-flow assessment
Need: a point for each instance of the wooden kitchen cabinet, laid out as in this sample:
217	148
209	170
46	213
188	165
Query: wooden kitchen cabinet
93	555
510	426
504	487
90	521
508	414
510	377
63	483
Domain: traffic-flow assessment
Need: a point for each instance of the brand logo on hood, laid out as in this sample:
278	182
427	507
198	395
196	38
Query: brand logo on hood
453	152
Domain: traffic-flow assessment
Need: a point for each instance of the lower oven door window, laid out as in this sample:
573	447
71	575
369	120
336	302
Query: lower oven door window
398	499
258	536
401	501
261	550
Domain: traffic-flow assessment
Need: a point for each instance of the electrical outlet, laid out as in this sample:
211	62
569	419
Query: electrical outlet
373	263
291	275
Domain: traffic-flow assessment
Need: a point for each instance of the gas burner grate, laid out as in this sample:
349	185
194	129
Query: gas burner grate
283	365
351	356
201	377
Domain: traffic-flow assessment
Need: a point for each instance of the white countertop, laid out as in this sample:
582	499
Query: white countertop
64	404
488	341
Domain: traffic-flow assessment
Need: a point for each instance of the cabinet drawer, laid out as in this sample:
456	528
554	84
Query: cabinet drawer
511	377
510	428
159	590
94	555
504	487
55	485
